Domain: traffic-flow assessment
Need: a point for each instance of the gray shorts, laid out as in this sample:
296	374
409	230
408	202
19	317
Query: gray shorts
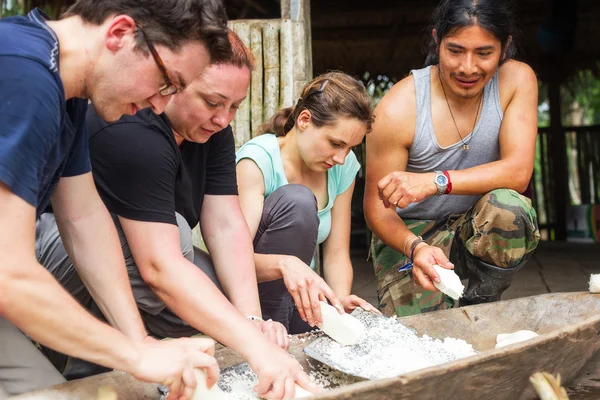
158	318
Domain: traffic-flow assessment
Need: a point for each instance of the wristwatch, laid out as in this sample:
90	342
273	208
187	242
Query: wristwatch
441	182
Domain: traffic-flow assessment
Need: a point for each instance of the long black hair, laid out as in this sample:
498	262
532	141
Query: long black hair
495	16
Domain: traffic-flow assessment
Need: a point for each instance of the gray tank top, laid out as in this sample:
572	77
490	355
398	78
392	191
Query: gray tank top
426	155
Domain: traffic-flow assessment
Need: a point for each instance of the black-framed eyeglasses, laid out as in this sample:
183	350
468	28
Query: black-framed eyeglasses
169	88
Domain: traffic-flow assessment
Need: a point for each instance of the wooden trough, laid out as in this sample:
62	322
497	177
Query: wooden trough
568	324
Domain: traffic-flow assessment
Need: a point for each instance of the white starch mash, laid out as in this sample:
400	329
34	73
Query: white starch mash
388	349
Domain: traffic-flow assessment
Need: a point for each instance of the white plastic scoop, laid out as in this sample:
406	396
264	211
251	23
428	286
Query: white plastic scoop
203	393
344	329
450	283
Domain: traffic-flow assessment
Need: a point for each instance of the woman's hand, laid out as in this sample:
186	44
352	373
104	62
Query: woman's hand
275	331
351	302
307	289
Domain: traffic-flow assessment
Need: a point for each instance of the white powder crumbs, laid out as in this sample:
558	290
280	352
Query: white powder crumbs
389	349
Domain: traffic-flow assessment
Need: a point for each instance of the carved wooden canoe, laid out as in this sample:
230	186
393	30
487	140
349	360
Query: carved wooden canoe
568	324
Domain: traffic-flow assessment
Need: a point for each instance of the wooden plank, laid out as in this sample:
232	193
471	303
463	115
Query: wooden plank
286	77
242	118
271	67
301	74
257	84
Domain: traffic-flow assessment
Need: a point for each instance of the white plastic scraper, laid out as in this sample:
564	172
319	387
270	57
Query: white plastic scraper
450	283
203	393
344	329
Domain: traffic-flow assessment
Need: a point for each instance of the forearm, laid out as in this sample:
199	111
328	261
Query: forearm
36	303
93	245
339	275
232	255
484	178
193	297
269	266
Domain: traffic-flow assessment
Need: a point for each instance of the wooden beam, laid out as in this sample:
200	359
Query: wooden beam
558	154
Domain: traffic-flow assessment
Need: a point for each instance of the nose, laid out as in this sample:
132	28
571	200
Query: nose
158	103
220	119
468	65
340	156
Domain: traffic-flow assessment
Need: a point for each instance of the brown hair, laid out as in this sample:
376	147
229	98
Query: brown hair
327	97
170	23
241	56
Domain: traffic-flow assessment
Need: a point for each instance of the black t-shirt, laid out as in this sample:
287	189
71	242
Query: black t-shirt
142	174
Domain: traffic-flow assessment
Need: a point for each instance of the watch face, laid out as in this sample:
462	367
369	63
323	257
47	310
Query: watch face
441	180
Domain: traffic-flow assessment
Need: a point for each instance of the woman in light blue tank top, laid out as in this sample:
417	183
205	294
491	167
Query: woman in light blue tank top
295	186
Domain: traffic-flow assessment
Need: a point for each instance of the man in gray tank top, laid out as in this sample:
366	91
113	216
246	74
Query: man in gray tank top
452	147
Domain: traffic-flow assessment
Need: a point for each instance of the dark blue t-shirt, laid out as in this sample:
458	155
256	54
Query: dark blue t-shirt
42	136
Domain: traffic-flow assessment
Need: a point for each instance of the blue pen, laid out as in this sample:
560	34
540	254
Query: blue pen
405	267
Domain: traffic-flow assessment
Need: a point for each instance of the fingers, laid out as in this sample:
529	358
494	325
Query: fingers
276	390
290	389
175	389
190	383
315	305
423	280
306	306
205	345
298	301
210	366
365	305
333	299
305	383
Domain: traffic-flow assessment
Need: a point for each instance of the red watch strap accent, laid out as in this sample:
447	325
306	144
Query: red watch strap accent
449	187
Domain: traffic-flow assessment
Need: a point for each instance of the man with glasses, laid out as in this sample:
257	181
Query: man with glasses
48	71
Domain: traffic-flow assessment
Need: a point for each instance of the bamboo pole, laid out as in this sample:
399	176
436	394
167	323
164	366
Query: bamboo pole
301	75
286	77
271	67
241	125
257	84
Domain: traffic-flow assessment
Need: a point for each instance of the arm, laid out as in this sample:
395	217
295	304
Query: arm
91	240
337	265
517	148
387	151
52	317
193	297
305	286
518	134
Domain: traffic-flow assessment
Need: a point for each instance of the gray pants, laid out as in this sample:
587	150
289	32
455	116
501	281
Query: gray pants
158	318
289	225
23	368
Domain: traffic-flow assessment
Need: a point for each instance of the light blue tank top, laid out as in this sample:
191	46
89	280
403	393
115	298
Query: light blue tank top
264	151
426	155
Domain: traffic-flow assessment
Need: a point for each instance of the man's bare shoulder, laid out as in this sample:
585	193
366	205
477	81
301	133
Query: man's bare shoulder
515	76
396	112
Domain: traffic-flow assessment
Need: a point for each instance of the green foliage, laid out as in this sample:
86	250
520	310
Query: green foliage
377	86
581	99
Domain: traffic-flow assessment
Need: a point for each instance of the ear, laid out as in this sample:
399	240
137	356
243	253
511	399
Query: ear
303	119
434	36
508	42
120	30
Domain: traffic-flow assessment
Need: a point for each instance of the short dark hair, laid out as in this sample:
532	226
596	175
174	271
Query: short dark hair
495	16
170	23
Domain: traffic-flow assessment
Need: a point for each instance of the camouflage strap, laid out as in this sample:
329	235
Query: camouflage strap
500	229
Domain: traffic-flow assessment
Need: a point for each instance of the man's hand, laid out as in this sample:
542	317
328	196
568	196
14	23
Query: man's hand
275	332
351	302
307	289
424	258
172	363
401	188
278	372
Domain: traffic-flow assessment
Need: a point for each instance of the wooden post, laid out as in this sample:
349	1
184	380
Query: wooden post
558	152
241	123
286	51
271	67
257	84
299	11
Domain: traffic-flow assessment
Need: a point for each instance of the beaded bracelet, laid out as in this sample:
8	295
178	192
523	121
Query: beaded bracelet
414	245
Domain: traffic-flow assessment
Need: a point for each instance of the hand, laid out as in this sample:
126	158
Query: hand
172	363
351	302
401	188
278	372
424	258
307	289
275	331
